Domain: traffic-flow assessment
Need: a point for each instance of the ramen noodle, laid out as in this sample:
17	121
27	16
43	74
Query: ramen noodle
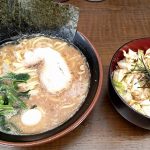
58	84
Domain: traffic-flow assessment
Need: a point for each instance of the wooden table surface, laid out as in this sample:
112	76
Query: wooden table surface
108	25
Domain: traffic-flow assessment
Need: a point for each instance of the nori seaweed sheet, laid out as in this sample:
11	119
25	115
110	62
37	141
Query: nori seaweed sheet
26	17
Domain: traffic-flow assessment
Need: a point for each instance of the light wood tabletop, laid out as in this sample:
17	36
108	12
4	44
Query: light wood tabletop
108	25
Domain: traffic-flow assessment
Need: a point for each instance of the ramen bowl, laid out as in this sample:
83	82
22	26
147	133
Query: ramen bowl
119	103
95	67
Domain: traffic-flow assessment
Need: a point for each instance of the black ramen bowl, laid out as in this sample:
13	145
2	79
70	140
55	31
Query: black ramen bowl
95	65
118	102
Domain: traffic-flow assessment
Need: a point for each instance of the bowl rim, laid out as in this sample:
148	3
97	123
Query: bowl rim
110	75
78	121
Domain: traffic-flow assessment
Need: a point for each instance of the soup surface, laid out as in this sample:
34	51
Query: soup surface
58	84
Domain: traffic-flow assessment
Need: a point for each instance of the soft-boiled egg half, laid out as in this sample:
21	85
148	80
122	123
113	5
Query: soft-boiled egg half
31	117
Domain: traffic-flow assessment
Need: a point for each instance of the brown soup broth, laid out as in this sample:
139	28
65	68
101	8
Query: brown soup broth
56	108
